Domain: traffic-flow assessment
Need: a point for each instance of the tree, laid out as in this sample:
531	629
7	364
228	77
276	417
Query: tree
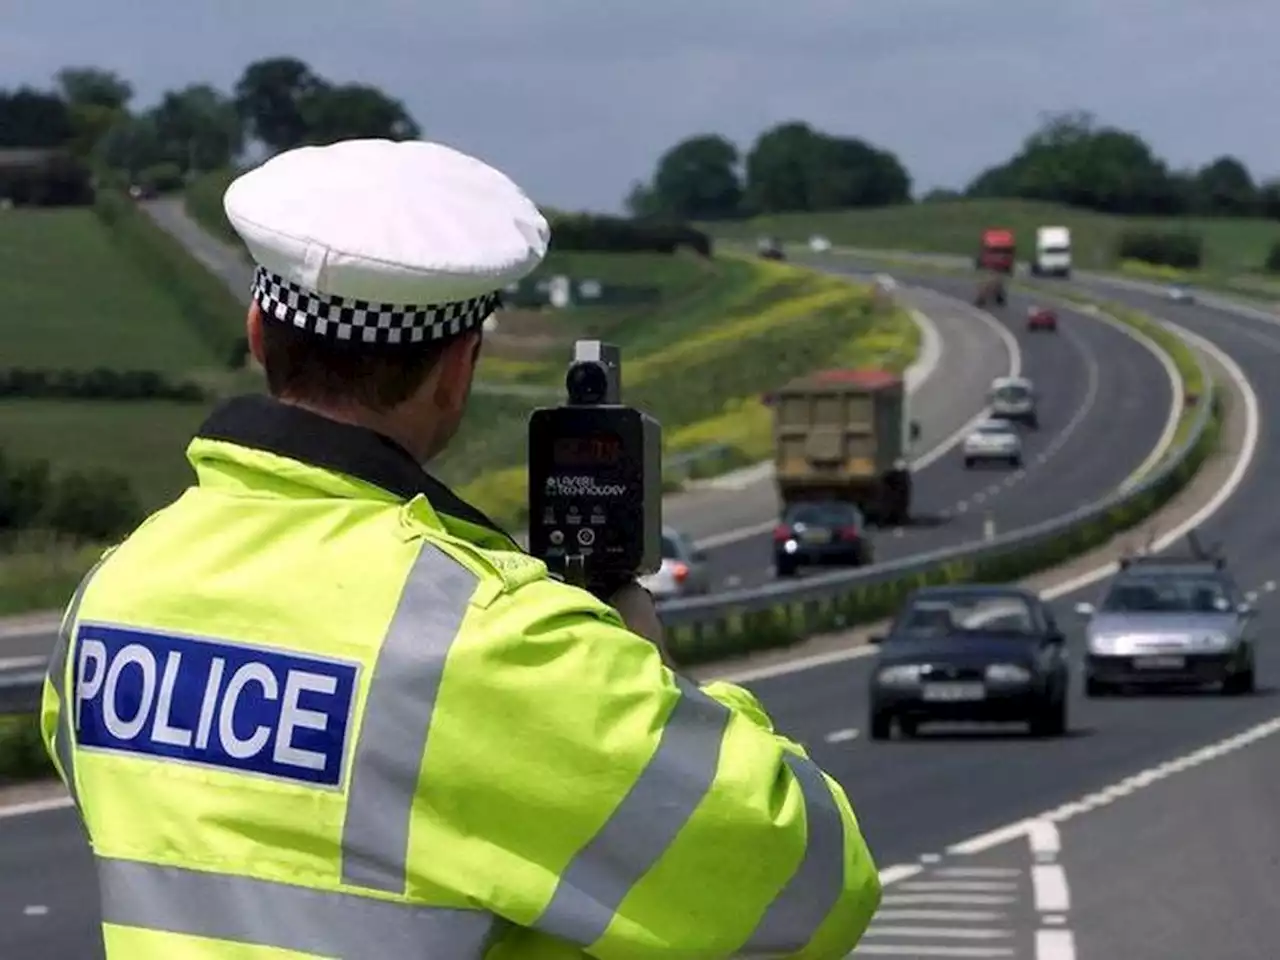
1070	159
1225	188
641	201
91	86
777	169
1269	199
354	111
271	98
31	118
198	128
795	167
132	145
697	179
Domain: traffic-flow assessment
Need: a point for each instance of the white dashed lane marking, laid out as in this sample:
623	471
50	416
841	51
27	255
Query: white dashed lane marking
981	903
841	736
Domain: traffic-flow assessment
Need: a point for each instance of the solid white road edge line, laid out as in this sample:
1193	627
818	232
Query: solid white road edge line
1216	503
926	364
939	450
1121	788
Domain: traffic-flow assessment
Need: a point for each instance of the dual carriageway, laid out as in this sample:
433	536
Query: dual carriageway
1121	855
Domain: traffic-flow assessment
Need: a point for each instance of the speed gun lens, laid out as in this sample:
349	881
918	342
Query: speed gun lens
587	383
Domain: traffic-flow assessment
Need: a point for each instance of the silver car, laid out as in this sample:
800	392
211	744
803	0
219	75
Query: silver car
1169	623
684	571
993	440
1014	398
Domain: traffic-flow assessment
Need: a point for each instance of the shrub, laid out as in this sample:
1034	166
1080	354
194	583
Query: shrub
77	507
161	178
1185	251
45	179
100	383
584	232
1272	264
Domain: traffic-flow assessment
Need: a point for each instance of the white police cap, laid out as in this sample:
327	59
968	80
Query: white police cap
377	241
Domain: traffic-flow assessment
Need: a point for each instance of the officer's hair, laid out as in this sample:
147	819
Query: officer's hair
300	366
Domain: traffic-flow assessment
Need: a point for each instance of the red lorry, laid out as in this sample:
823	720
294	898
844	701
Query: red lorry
998	252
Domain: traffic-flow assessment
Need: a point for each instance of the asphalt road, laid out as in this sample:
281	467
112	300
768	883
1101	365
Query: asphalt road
915	798
1184	868
1105	402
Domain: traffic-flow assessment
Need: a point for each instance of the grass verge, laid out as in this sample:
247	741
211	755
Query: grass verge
22	753
1231	246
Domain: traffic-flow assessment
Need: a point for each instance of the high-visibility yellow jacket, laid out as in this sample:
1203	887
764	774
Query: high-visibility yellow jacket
319	707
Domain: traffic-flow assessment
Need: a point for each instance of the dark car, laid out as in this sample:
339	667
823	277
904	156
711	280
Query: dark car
971	654
819	534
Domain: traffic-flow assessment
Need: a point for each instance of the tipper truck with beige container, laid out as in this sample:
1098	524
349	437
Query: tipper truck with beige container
845	435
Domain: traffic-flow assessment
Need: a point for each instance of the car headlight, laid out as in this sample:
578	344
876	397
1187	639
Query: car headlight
900	675
1211	641
1007	673
1105	645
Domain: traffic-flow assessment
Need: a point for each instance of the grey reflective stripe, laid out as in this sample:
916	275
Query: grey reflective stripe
794	916
664	797
64	740
397	715
267	914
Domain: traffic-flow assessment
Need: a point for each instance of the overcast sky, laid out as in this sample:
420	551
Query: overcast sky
577	98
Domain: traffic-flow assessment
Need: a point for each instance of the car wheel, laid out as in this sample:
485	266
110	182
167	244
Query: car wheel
1240	684
1096	688
1015	462
881	725
968	463
1050	719
785	569
909	727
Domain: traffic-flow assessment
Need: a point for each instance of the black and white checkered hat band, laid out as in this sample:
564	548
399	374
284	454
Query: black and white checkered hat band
362	321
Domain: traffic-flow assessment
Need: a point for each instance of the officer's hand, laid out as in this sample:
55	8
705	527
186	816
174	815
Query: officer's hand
638	611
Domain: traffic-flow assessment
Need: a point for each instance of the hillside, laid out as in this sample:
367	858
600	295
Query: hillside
1231	246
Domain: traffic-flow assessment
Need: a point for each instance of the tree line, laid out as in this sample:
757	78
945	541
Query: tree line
277	103
1070	159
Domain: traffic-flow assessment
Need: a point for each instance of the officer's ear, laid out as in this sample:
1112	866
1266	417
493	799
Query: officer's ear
253	330
454	370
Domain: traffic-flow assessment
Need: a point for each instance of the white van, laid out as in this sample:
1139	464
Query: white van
1053	252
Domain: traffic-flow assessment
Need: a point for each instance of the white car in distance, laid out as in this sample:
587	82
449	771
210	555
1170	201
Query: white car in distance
993	441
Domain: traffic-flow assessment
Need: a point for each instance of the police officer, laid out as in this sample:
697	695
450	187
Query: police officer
322	707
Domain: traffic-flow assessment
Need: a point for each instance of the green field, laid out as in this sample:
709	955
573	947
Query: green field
72	299
1232	246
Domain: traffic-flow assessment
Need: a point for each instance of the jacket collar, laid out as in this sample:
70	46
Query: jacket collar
264	423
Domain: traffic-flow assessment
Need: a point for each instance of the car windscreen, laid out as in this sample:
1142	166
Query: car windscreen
1011	393
995	427
824	515
961	614
1167	594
